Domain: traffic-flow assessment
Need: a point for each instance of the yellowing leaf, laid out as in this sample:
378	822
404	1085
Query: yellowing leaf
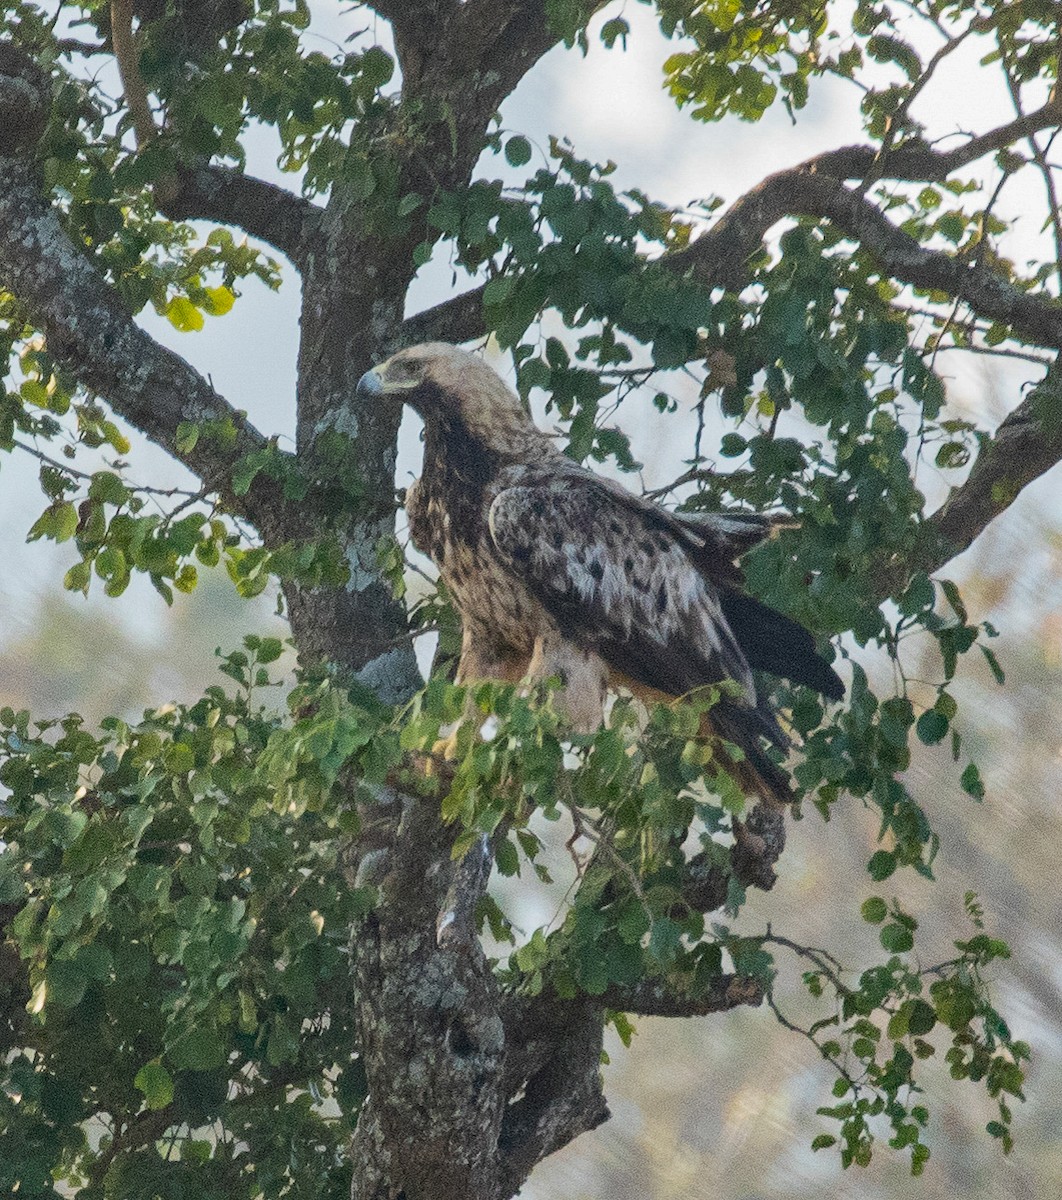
115	437
36	1003
183	315
219	300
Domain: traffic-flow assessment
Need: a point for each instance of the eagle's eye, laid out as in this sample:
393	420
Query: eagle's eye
405	372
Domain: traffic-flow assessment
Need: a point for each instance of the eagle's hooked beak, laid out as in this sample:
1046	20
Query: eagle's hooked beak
370	384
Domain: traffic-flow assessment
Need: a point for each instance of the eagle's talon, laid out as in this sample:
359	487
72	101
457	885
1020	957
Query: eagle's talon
445	749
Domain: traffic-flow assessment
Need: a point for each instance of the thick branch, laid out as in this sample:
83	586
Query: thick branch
1026	445
411	12
24	100
718	257
91	332
459	319
273	214
214	193
654	998
428	1023
552	1080
915	161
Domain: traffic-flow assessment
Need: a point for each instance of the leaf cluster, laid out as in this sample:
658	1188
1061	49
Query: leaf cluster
185	949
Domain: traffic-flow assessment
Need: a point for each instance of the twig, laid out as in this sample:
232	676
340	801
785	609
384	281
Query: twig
693	475
127	54
146	489
823	959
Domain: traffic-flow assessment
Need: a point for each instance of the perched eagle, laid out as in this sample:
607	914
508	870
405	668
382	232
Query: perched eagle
558	572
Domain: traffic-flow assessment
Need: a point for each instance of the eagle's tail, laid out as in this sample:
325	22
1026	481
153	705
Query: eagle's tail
776	644
743	727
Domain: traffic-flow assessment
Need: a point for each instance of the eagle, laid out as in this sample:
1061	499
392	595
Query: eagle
558	572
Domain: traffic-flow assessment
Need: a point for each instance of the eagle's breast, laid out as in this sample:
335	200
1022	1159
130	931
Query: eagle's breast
448	522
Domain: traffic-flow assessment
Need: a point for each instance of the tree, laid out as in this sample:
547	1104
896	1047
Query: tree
245	951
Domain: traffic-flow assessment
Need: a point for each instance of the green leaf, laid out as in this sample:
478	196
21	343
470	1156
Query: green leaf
187	436
65	983
269	649
59	522
615	30
156	1083
972	783
896	938
874	910
198	1050
921	1017
186	578
932	727
377	66
507	858
882	864
179	759
518	151
107	487
994	665
77	579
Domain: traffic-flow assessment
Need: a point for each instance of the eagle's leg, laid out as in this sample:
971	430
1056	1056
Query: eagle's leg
583	677
481	659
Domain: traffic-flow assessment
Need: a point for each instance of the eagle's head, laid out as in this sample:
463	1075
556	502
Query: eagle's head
456	393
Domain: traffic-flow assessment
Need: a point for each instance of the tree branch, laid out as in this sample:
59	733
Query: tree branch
127	55
273	214
1026	445
552	1080
552	1065
91	332
144	1129
459	319
428	1025
24	100
718	257
213	193
654	998
914	161
411	12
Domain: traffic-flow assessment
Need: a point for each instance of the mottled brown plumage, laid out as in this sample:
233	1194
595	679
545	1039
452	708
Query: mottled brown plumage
558	572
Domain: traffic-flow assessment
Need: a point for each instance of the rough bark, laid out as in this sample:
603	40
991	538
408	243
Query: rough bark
213	193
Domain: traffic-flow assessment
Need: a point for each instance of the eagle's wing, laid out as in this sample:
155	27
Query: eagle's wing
616	573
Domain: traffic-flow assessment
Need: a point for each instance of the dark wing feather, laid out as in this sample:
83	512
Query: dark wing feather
774	643
617	578
657	597
729	535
